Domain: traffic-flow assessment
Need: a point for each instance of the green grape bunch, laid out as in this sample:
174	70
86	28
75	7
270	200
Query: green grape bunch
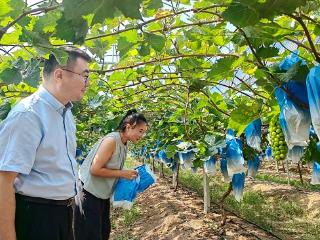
278	143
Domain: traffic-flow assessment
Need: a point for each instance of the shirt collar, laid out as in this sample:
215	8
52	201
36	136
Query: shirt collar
54	103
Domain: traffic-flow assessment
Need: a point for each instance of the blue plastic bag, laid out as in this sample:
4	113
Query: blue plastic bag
253	134
125	190
187	155
224	169
174	166
186	158
210	165
297	89
289	61
157	157
238	185
163	158
146	177
234	157
294	121
315	179
295	154
313	86
253	166
125	193
230	134
268	153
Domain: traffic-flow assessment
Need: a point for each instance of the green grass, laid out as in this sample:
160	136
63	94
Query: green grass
122	220
125	236
295	183
312	231
130	215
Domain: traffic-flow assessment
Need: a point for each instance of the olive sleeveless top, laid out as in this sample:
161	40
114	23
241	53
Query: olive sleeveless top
102	187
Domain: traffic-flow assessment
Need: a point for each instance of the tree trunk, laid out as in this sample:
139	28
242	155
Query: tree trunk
300	173
225	195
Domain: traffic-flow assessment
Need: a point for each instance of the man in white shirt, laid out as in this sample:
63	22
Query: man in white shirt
37	155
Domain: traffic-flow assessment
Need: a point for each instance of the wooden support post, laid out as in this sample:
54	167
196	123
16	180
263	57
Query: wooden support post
300	173
283	167
277	166
175	177
153	167
206	193
161	170
288	172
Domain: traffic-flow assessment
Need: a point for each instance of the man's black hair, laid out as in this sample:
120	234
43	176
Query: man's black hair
73	54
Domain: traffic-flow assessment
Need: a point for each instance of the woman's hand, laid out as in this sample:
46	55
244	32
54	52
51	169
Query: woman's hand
129	174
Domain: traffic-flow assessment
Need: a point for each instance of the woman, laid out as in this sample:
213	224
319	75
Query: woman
98	174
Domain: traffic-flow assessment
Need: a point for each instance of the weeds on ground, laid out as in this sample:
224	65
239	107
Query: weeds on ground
295	183
122	220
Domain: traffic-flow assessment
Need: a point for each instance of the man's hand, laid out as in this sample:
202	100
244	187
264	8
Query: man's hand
7	205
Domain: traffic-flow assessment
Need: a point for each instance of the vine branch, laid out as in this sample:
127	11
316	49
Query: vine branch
139	26
155	60
25	13
214	104
306	31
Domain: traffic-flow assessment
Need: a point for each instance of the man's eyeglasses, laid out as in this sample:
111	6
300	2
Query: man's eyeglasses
85	77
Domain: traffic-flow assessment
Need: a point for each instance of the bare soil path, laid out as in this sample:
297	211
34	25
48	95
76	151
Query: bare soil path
167	214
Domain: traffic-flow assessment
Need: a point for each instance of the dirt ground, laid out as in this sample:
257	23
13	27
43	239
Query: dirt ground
168	214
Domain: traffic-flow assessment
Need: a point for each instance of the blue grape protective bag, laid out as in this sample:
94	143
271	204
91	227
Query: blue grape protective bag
294	121
268	153
230	134
234	157
224	169
253	134
315	179
313	86
157	157
253	166
186	158
296	88
238	181
125	190
187	155
210	165
295	154
163	158
146	177
289	61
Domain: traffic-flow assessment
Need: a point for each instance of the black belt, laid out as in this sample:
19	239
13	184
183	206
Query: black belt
67	202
